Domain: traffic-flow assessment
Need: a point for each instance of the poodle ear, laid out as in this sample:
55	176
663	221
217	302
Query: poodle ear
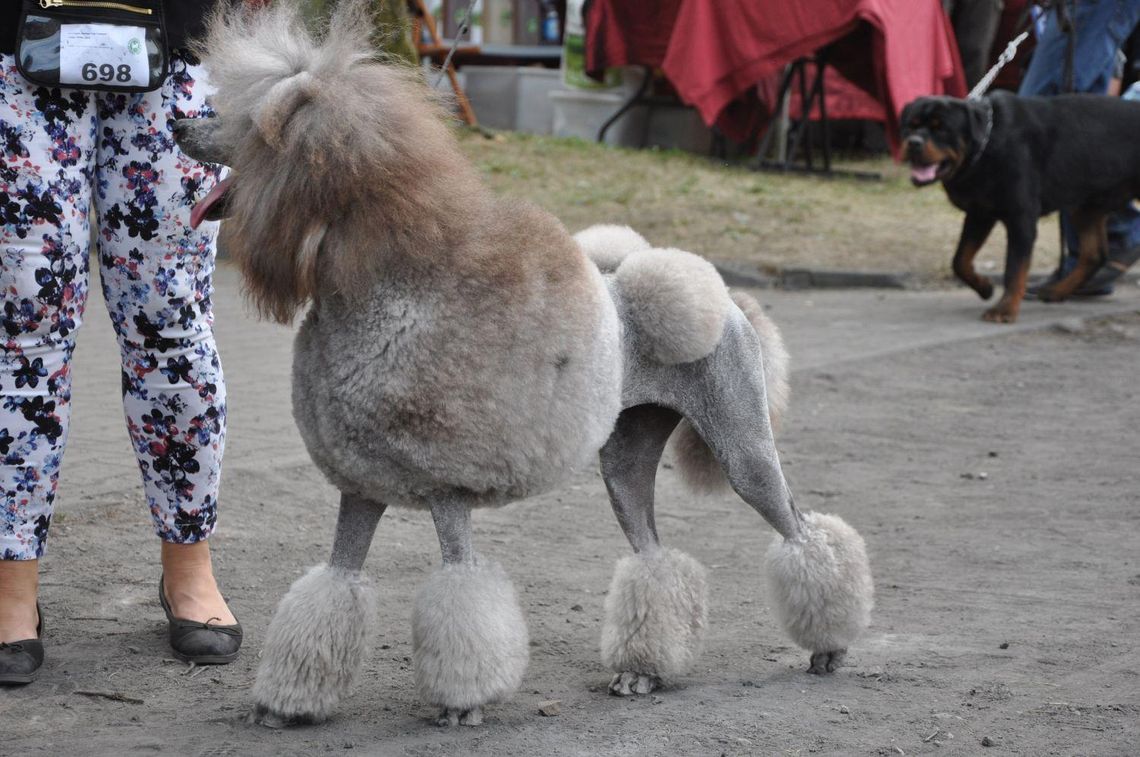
279	104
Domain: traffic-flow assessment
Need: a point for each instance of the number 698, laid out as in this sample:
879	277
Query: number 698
106	72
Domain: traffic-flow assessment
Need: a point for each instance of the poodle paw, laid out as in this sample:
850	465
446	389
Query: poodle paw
450	716
826	662
627	684
264	716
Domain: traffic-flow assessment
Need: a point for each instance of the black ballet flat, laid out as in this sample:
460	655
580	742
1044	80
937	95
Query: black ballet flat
200	643
21	660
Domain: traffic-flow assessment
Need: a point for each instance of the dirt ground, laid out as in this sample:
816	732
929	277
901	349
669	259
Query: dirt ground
991	470
772	221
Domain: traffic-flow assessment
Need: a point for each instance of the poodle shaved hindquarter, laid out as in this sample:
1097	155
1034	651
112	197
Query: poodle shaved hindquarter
462	351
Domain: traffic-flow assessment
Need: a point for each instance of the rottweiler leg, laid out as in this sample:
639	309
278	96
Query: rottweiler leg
975	229
1021	233
1092	235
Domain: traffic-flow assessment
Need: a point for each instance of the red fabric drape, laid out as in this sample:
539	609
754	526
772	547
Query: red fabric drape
717	52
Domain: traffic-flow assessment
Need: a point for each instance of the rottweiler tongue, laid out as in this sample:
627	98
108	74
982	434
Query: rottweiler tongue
924	173
199	211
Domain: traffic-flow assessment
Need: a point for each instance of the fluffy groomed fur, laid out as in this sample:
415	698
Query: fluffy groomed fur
609	244
656	612
469	638
696	463
462	351
677	301
309	183
821	584
316	643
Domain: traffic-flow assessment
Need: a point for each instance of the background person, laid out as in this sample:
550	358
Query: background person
1101	28
975	25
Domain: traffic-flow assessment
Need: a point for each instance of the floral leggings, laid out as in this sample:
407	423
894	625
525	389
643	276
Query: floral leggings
63	150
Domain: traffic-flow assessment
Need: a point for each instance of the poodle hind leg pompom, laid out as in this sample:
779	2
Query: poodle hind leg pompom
469	636
656	609
656	613
318	637
821	588
818	567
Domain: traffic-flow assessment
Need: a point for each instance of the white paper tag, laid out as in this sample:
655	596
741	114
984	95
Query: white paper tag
103	54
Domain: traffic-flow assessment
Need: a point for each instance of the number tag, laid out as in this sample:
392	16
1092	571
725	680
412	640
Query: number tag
103	54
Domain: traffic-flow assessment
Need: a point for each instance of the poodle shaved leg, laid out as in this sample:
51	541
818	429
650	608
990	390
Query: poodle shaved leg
818	572
318	638
656	606
453	527
355	526
629	466
469	638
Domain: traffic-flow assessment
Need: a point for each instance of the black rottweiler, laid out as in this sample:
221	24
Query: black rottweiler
1014	159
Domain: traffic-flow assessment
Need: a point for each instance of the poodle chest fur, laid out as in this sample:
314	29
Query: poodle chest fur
430	392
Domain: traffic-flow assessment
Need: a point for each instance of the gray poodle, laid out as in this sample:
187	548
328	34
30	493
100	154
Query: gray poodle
460	351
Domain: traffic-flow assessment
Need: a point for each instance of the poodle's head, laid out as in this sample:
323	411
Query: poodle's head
324	139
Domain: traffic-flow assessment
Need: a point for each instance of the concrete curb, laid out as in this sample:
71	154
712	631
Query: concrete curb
737	274
749	275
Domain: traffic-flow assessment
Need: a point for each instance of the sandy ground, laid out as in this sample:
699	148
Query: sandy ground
992	470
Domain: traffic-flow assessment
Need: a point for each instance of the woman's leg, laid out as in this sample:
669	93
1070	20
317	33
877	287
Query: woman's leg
157	281
45	180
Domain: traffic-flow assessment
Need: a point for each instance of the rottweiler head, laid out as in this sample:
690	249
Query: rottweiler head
939	135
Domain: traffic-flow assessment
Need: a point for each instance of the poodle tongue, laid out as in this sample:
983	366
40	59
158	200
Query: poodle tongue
924	174
199	211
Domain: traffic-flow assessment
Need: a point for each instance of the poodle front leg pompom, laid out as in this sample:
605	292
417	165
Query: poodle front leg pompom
315	644
656	612
469	639
821	588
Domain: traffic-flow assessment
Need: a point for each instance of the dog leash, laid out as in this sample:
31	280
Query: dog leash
1006	56
983	85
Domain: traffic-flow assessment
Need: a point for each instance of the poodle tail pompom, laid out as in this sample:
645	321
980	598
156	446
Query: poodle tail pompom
698	467
821	585
677	303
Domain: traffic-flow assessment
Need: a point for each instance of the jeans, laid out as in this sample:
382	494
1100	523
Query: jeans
1101	28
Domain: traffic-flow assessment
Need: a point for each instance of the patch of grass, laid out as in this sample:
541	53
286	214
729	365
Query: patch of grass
728	211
